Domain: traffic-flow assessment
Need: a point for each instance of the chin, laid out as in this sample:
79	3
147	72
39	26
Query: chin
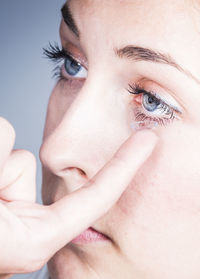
90	261
71	262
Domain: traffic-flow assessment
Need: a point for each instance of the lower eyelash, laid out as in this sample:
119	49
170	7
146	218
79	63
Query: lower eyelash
57	74
146	120
57	55
141	117
60	78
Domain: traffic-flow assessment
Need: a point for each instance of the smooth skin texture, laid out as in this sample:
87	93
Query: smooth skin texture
43	230
155	225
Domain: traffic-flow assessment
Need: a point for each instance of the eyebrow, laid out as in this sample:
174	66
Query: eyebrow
69	20
137	53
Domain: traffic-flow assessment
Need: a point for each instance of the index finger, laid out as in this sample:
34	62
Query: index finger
77	211
7	139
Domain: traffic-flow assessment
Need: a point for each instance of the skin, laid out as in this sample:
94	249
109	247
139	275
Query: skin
43	230
155	225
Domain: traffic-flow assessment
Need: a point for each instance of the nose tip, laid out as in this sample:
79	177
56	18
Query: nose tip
65	167
75	143
64	160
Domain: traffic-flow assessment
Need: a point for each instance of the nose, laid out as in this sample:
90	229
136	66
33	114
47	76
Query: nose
84	138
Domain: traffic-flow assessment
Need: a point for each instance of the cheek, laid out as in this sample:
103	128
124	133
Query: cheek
160	210
171	176
177	172
167	188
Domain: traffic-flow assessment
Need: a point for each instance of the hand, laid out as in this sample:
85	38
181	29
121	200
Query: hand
31	233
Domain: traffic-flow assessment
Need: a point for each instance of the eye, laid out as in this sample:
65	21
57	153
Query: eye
70	67
73	68
150	108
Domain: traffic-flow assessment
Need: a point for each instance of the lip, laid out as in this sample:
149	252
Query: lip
90	236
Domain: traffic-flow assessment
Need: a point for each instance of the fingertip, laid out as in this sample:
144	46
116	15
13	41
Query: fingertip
144	136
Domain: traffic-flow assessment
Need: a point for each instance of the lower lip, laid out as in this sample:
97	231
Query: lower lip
89	236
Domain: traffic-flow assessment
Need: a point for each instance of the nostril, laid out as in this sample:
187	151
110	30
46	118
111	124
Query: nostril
74	170
73	178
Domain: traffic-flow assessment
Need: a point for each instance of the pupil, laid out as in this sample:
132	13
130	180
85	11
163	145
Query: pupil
71	66
151	100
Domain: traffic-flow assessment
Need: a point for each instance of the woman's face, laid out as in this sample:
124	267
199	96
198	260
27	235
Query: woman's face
150	48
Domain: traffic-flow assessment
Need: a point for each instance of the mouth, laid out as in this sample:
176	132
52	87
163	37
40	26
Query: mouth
90	236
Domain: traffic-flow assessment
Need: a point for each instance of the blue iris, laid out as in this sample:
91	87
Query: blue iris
150	102
72	67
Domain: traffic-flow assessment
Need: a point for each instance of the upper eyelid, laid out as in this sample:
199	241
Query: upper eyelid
68	53
57	54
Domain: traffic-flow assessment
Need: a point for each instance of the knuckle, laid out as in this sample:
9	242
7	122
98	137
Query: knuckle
7	129
30	157
32	266
26	156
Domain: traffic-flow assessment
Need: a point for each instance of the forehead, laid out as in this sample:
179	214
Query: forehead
127	10
164	25
132	17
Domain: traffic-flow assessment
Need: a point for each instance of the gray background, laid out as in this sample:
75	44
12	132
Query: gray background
26	26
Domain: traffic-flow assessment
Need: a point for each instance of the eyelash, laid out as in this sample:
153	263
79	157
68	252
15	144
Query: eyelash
55	54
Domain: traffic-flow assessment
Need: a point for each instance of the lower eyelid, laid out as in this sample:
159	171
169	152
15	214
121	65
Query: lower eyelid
70	81
68	76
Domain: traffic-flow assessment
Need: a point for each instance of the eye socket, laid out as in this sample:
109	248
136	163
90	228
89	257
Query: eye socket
73	68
